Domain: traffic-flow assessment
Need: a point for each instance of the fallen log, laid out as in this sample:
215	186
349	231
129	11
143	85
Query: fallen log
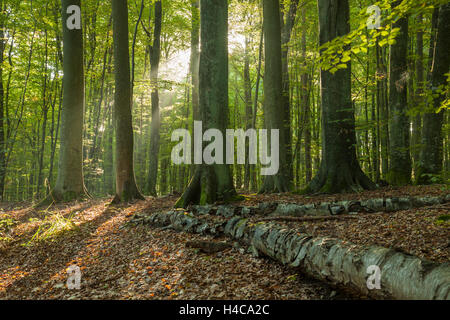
274	209
402	276
308	218
391	204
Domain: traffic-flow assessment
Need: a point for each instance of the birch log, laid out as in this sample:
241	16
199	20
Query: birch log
341	263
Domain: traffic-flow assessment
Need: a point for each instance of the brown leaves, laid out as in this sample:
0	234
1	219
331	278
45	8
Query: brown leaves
138	263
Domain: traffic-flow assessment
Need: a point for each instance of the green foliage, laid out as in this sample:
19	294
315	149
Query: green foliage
337	52
443	219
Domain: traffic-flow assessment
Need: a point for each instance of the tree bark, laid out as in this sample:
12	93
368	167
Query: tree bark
399	126
155	55
417	119
2	109
339	170
212	182
248	110
432	144
273	95
126	188
70	182
286	30
402	276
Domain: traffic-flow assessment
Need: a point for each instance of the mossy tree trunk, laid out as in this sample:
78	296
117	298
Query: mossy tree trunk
339	170
69	183
431	157
212	182
273	96
399	126
126	189
155	54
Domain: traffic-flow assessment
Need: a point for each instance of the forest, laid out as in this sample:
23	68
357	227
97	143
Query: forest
224	149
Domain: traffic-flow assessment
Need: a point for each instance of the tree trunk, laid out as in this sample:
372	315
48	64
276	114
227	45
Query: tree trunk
273	94
432	141
70	183
194	67
248	111
399	126
286	30
382	109
212	182
155	54
339	170
126	189
253	179
417	119
2	110
305	101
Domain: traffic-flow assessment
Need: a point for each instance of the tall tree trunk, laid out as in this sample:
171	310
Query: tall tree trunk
2	109
286	30
194	67
432	141
126	189
248	110
212	182
70	183
273	93
254	180
383	109
45	108
339	170
305	101
155	55
399	126
195	57
417	119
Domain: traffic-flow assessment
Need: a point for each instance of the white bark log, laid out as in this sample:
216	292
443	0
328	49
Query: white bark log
341	263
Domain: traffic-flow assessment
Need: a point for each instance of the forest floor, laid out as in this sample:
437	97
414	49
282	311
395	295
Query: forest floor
119	261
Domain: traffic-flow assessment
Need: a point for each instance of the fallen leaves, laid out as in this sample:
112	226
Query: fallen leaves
141	263
136	263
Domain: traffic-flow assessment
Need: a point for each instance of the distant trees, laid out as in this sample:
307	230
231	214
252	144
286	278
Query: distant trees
65	94
126	188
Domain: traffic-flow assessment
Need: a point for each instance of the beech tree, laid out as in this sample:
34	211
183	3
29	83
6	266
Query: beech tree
273	93
212	182
70	182
41	120
399	125
288	16
2	108
431	156
339	170
155	55
126	188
